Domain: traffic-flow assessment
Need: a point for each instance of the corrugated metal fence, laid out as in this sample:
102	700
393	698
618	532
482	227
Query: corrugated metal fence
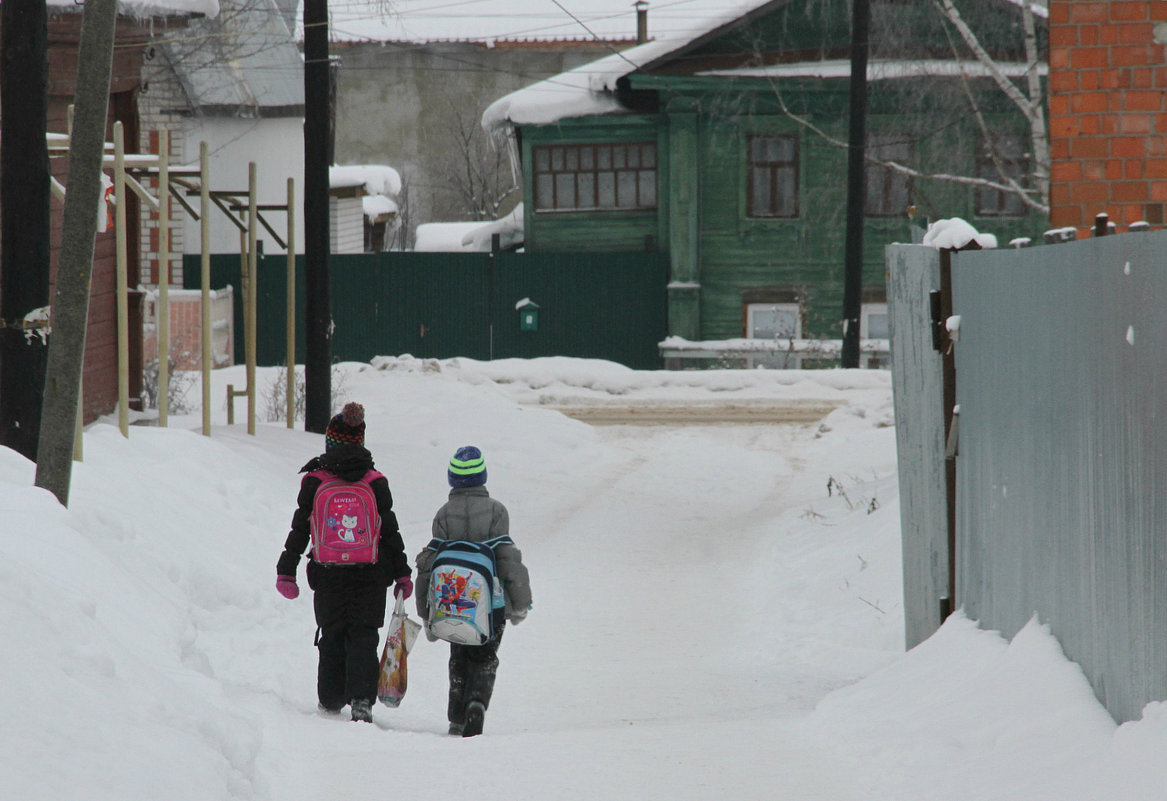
1061	493
439	305
914	272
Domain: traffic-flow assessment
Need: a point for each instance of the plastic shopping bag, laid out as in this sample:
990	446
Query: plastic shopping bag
394	676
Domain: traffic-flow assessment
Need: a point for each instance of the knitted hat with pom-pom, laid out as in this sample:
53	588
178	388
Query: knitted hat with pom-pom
346	427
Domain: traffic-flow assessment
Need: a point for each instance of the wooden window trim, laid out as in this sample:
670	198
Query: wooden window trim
774	168
986	168
565	160
886	176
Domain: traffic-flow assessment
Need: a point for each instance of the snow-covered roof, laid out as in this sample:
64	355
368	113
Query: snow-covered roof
379	183
587	89
444	237
878	69
508	228
470	237
377	179
378	206
242	63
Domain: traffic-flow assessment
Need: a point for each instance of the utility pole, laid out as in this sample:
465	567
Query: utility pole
25	226
317	147
75	260
856	183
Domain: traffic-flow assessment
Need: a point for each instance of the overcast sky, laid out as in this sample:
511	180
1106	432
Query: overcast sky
427	20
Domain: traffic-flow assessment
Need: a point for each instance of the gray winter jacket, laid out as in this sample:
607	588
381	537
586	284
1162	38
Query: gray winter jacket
471	514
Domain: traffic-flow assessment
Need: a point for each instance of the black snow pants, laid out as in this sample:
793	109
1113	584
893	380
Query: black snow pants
472	672
349	603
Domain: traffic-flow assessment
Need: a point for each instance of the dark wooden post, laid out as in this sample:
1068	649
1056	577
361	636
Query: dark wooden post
25	227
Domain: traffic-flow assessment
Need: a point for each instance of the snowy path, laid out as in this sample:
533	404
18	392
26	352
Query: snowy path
697	592
717	613
653	666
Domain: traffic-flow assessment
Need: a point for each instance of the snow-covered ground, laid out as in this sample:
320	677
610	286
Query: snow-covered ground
717	613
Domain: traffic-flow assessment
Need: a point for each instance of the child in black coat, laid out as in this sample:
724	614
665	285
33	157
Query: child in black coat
349	600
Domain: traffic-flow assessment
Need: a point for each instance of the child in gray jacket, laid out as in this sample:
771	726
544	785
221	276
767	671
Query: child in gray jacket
471	514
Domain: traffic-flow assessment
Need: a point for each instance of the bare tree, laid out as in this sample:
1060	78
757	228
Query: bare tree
1031	103
946	103
471	168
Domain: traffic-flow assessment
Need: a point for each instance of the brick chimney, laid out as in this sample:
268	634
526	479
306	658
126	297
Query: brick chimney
641	7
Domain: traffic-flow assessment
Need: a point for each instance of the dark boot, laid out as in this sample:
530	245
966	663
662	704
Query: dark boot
362	710
475	716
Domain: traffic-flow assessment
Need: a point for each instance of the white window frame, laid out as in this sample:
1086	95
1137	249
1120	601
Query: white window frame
754	308
870	309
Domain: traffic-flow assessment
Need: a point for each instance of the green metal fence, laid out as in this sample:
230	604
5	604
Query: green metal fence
439	305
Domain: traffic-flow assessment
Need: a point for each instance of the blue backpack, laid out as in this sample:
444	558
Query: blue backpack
466	599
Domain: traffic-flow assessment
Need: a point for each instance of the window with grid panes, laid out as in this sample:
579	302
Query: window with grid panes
595	177
1010	152
888	191
772	189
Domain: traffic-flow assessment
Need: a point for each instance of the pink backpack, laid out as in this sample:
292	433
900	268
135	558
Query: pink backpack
345	525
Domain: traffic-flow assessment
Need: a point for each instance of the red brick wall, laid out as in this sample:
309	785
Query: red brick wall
1108	114
99	371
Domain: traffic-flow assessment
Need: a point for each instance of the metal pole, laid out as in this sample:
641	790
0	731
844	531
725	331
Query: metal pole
252	293
290	348
317	145
163	276
123	311
205	279
856	189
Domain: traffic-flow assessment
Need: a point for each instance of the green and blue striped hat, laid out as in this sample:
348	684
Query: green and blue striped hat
467	468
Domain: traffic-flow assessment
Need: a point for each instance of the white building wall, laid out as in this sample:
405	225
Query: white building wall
347	231
277	148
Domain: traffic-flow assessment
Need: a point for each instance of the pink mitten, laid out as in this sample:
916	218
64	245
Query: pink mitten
287	586
404	587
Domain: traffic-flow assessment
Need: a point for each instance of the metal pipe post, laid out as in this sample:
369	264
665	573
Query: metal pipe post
163	276
253	291
123	303
290	348
205	281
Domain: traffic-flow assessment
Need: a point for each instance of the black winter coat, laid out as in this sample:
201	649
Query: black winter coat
349	462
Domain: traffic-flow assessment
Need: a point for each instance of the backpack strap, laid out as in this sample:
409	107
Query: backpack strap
368	478
505	539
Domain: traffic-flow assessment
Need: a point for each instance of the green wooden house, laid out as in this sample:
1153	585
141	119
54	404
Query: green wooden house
725	149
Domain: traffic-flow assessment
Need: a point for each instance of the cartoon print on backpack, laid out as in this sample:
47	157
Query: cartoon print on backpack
344	517
452	596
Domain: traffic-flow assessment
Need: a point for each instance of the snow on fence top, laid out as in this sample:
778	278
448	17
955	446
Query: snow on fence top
955	233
